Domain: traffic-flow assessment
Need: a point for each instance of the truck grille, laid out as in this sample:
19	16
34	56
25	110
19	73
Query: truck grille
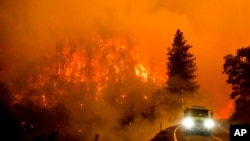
199	122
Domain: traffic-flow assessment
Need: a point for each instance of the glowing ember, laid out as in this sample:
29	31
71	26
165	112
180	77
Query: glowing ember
44	100
17	98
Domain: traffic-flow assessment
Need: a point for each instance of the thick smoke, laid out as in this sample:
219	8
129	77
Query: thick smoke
32	32
78	86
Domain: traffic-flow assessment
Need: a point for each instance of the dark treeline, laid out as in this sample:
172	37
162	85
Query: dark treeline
237	69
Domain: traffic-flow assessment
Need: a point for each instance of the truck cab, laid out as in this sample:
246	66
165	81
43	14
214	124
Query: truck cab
198	119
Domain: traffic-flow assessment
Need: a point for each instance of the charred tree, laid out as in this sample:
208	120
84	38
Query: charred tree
181	66
237	69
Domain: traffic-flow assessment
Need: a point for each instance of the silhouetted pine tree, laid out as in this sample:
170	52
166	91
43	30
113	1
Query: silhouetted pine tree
181	66
237	69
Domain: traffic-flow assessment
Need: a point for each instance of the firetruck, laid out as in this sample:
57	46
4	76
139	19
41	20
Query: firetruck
198	119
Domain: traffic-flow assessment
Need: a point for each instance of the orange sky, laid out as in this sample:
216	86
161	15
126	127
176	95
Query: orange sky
214	28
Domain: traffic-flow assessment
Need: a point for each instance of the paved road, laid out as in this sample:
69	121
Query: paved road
176	133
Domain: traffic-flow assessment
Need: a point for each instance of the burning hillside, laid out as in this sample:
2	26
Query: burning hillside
87	69
94	85
91	66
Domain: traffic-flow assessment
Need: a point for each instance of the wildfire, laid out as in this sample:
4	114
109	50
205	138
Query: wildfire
17	98
141	72
106	62
227	111
44	100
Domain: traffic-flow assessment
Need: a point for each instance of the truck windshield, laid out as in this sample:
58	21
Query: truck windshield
198	112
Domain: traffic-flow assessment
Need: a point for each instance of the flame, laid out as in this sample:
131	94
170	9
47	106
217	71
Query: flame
141	72
44	100
148	70
105	63
227	111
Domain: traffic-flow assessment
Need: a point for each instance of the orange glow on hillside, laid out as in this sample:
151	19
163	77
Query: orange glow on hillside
32	30
227	111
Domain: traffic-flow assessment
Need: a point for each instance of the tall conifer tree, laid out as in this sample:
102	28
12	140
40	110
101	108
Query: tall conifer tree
181	66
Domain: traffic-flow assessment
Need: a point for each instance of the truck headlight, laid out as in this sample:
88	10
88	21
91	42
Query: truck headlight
209	123
188	122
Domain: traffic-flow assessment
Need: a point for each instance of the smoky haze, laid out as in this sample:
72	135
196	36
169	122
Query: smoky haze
31	31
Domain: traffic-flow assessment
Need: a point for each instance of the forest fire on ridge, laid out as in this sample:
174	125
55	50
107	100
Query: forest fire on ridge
94	65
87	67
87	85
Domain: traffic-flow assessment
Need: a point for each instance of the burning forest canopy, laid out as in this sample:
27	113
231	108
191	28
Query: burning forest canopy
83	86
89	69
86	86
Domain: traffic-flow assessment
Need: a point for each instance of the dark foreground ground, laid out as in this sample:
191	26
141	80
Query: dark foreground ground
176	133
